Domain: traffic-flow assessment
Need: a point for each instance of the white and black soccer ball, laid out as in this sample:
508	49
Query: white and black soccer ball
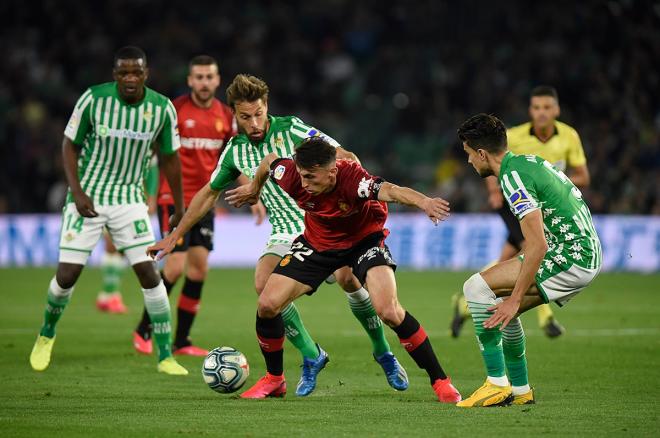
225	369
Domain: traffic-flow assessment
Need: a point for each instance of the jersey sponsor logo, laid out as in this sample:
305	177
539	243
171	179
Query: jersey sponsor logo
520	202
104	131
278	173
201	143
364	188
141	228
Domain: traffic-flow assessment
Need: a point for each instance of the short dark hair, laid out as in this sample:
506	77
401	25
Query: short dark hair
314	151
202	60
246	88
545	90
484	131
130	52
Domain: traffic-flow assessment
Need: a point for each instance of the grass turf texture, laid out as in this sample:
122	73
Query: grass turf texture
601	378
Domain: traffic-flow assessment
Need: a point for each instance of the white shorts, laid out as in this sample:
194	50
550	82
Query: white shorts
562	287
279	244
128	225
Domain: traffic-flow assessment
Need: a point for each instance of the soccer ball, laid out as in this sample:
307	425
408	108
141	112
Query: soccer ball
225	369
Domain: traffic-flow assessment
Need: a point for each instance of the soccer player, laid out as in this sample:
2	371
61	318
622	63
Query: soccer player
205	127
551	140
345	213
261	134
562	255
107	145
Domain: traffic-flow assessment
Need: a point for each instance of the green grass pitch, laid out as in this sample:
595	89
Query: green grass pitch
601	378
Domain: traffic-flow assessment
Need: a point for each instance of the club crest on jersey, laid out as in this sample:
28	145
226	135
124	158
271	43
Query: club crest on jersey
520	201
219	125
343	206
279	141
278	173
147	116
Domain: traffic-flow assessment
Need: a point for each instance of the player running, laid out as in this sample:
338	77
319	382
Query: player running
205	127
345	213
260	135
551	140
106	149
562	256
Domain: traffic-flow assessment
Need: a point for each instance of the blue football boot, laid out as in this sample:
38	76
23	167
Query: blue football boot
310	370
395	373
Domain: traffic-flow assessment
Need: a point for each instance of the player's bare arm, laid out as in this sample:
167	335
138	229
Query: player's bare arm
343	154
171	168
535	248
201	203
84	203
437	209
579	175
249	193
258	210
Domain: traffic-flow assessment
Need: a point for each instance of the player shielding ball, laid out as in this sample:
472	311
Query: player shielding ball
345	214
562	256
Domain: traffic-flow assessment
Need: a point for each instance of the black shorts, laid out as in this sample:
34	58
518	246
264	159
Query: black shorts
308	266
201	234
515	237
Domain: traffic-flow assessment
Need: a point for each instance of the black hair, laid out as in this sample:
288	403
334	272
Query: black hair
484	131
314	151
130	52
545	90
202	60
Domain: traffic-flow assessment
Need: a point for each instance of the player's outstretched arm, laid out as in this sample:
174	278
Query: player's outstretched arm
535	248
249	193
437	209
84	203
203	201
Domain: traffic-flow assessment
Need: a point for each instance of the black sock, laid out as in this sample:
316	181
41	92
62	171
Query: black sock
187	310
144	326
270	332
413	338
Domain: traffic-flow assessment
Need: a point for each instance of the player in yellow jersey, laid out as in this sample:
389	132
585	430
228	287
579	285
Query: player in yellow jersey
555	142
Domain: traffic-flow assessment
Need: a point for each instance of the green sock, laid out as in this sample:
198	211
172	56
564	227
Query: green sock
297	333
57	300
158	308
112	267
490	340
513	344
364	312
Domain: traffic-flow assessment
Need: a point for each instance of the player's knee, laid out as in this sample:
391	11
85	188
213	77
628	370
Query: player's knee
477	290
347	280
391	314
268	307
147	274
197	272
67	275
259	284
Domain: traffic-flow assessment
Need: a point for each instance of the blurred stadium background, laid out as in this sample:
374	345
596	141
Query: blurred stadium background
391	80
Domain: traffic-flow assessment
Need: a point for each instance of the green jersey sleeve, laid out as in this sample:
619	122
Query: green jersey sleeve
80	124
520	191
168	139
300	131
226	171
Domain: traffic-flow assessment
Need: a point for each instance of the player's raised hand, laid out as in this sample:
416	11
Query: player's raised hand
242	195
161	248
84	205
437	209
258	212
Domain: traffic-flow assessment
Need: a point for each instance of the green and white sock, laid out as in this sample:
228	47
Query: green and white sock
297	333
513	344
57	300
158	307
364	311
112	268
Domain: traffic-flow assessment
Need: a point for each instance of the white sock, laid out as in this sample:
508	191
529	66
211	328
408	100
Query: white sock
499	381
358	296
520	390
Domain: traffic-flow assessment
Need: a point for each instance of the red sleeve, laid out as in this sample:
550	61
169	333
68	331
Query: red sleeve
180	101
283	172
357	183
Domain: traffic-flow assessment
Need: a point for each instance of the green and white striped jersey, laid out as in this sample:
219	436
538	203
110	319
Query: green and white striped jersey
530	183
117	139
243	156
